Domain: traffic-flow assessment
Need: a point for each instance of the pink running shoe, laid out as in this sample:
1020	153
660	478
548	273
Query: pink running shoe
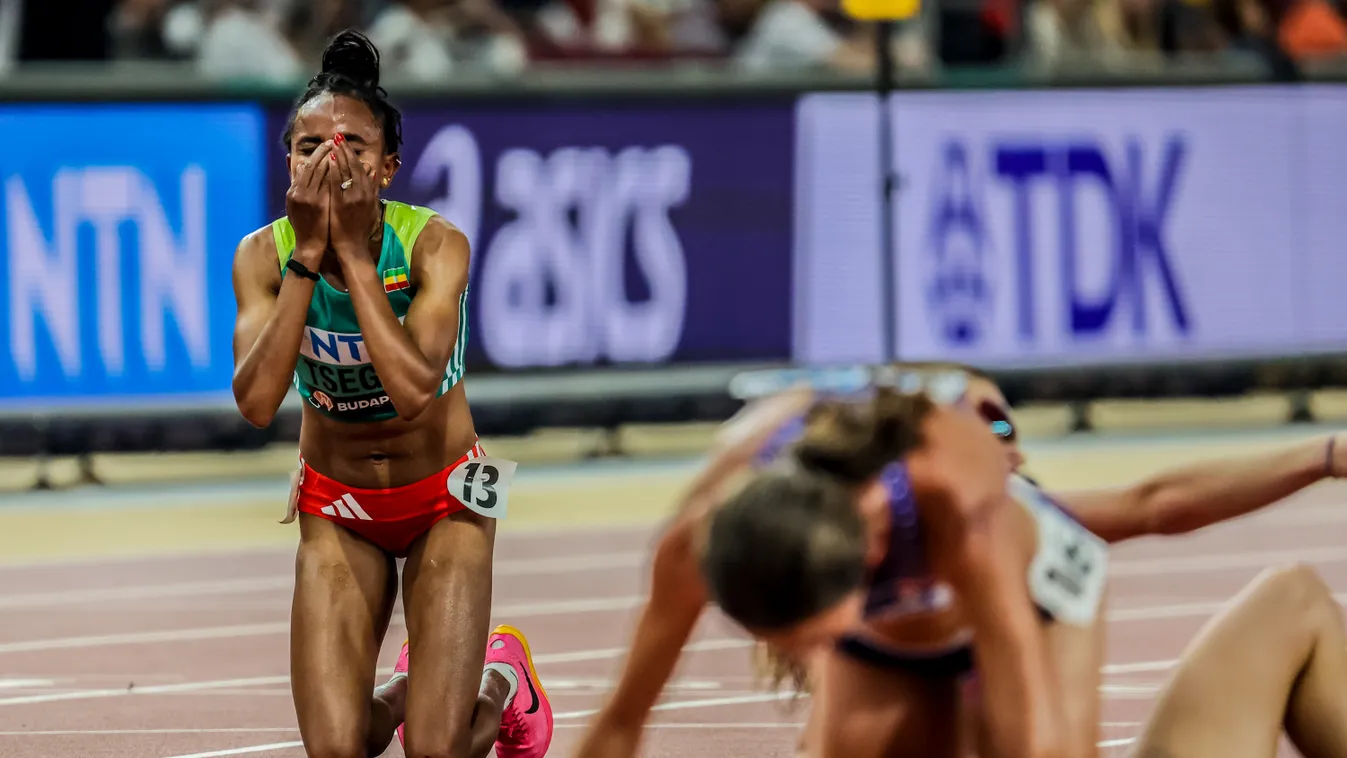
400	669
526	726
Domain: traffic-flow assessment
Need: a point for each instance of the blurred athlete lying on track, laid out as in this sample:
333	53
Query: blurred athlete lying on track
899	512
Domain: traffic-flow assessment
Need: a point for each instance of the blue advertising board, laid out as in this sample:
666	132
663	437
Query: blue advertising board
120	224
643	233
1077	227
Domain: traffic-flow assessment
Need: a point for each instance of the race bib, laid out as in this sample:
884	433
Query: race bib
483	485
1070	570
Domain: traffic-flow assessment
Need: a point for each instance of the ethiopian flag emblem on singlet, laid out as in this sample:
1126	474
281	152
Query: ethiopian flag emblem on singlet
396	279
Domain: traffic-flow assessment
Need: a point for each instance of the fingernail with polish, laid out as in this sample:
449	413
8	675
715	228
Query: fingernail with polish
338	139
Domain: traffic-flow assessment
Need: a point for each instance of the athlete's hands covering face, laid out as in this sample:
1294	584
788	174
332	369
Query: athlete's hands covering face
354	201
307	205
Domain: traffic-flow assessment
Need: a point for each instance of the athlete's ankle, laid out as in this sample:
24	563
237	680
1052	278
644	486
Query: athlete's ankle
497	687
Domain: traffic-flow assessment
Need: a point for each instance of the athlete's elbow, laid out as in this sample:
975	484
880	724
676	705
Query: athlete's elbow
412	403
260	418
254	410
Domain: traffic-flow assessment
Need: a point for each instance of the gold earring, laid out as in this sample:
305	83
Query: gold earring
385	182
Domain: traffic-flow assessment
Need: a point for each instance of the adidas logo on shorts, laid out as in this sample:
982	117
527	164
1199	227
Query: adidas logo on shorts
346	507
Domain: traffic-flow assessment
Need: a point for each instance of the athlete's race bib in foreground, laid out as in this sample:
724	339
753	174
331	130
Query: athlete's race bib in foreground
1070	570
483	485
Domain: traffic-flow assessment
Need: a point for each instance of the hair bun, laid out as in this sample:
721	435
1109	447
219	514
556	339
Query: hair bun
352	56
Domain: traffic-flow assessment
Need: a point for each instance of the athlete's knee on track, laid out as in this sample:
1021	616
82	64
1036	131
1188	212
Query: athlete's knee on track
1296	597
333	743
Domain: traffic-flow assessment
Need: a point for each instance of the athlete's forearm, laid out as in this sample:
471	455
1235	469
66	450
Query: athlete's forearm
1192	497
408	378
263	372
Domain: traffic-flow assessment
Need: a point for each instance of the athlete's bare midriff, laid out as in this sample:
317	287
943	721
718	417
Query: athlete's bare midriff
389	453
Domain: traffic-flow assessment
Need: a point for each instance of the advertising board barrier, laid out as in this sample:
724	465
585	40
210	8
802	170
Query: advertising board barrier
1054	228
640	233
120	225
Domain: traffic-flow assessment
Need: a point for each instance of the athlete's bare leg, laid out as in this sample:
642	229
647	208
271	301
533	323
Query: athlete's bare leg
1078	653
1276	659
344	592
452	710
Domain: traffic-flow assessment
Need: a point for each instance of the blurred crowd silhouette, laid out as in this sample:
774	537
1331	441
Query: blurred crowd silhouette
438	40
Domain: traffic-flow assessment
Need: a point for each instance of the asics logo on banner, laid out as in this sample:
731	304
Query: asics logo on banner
346	507
958	292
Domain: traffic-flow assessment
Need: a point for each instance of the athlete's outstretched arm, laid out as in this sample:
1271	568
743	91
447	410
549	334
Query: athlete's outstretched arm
962	472
1191	497
272	309
677	593
677	599
409	357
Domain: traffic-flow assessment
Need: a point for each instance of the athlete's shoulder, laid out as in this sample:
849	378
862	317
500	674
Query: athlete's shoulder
259	243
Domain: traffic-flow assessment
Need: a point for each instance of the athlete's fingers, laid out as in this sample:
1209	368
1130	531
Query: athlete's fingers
318	165
321	171
342	152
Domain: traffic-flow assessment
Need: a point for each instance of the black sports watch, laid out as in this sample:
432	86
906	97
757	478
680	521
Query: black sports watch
301	269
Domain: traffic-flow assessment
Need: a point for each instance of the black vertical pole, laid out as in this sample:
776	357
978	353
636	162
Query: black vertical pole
888	184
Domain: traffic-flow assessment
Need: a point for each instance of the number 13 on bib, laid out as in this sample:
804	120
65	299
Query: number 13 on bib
483	485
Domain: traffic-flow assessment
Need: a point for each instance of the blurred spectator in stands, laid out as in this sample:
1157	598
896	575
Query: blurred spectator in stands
977	32
309	24
59	30
1250	27
1189	27
136	28
1066	32
1311	30
620	29
787	36
242	39
429	40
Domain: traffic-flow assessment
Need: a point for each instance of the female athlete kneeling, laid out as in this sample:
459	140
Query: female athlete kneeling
364	301
1177	501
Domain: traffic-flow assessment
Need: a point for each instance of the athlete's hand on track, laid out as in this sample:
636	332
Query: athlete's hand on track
307	204
355	209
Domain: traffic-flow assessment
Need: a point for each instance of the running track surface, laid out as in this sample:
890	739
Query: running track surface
167	656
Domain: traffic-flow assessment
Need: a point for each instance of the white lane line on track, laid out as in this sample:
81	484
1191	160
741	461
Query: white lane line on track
268	748
197	589
25	684
515	611
132	732
266	681
574	715
622	560
519	610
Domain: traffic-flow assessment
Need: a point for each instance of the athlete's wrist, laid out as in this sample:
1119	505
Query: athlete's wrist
309	256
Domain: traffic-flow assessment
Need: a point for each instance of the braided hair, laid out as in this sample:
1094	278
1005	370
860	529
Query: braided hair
351	68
